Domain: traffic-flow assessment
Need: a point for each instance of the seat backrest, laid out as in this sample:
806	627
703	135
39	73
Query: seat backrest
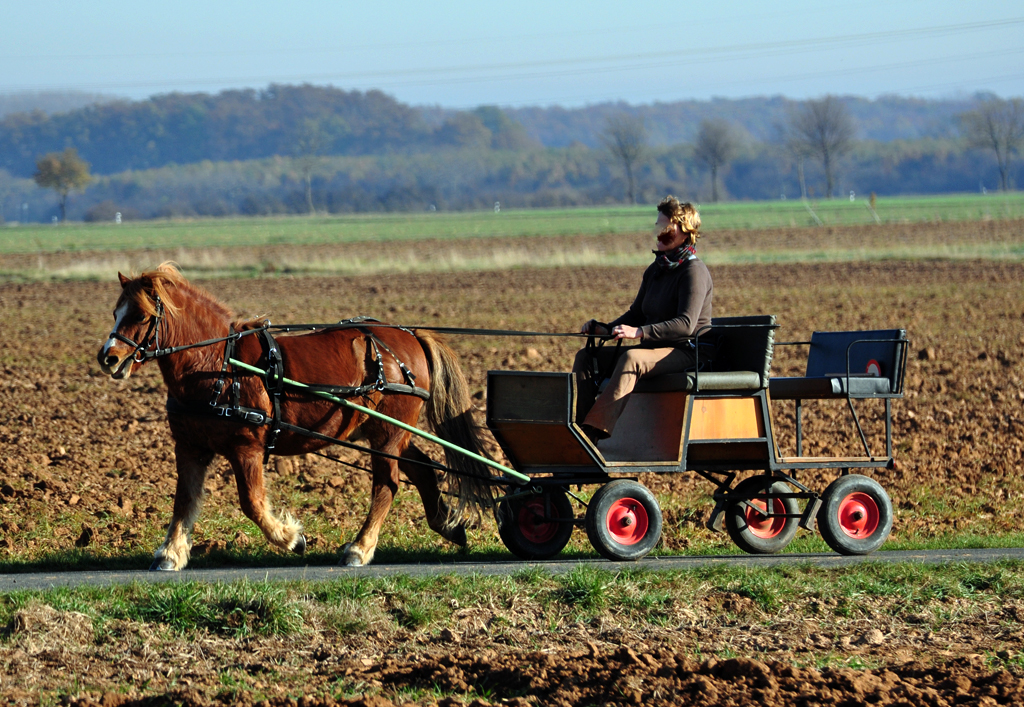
743	344
880	352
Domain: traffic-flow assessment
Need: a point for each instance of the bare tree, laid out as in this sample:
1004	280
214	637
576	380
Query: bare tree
62	172
998	125
822	128
625	137
308	149
5	189
715	146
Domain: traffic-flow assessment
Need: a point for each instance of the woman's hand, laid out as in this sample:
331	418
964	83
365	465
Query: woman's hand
623	331
591	326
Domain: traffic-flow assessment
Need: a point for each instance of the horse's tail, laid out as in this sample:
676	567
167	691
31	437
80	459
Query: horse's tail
448	411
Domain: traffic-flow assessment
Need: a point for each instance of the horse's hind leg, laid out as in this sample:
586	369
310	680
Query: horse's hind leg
425	481
286	532
188	495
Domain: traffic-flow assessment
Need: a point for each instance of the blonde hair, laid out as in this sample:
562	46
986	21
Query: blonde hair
685	214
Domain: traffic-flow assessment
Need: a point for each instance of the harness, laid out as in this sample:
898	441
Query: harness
272	362
273	377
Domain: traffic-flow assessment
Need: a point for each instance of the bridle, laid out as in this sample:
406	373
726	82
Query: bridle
141	351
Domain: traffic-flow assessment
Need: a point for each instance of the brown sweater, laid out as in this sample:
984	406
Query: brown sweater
671	305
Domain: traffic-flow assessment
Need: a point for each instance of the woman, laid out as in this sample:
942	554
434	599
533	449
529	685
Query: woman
673	305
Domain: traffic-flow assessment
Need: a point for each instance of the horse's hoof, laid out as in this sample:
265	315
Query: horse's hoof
350	558
299	548
162	564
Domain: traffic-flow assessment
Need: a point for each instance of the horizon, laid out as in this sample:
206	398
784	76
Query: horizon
531	55
100	98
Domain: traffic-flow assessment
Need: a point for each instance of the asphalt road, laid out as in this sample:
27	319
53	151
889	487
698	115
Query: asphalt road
49	580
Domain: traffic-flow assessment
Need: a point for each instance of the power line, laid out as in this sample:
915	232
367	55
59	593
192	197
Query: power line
594	64
666	28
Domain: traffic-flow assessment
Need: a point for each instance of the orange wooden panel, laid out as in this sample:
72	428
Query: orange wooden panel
726	418
539	444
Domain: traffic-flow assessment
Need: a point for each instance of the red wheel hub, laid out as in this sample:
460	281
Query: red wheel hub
758	521
627	521
534	523
858	515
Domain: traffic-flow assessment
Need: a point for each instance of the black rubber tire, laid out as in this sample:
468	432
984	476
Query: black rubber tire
623	520
775	534
855	516
536	527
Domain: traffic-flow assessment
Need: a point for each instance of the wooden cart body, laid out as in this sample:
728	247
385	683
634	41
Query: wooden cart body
716	422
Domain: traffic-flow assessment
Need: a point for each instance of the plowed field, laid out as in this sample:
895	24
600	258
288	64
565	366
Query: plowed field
87	473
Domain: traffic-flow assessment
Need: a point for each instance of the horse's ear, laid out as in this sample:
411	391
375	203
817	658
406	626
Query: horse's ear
124	280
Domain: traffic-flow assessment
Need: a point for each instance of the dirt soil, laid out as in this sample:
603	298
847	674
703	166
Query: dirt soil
87	463
625	677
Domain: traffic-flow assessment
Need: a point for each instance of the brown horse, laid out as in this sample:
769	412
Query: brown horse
161	310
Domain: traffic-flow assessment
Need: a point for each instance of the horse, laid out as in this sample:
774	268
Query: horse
160	315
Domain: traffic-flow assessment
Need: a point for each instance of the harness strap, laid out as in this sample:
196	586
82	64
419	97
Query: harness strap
410	378
259	418
353	391
229	352
273	381
252	416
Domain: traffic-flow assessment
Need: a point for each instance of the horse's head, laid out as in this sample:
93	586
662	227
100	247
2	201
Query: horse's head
139	318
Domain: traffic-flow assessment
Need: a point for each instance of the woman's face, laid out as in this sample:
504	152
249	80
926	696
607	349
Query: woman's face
669	235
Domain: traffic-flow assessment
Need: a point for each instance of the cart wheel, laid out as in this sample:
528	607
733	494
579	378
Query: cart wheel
747	519
536	527
623	520
855	516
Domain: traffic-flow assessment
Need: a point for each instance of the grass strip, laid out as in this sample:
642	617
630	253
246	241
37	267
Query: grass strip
396	228
639	597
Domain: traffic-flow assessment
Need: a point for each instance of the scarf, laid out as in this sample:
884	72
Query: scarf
670	259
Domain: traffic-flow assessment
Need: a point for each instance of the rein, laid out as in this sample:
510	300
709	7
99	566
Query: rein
274	380
363	321
141	351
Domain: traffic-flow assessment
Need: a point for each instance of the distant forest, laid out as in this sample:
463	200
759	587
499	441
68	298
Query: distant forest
278	149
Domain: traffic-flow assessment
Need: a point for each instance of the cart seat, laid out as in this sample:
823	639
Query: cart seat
726	380
875	361
742	359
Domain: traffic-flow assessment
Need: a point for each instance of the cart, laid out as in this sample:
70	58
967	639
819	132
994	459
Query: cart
715	421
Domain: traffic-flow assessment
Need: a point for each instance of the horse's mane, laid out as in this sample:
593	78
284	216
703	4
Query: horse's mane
167	283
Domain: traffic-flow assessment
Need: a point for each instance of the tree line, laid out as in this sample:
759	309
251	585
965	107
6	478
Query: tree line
179	128
331	150
822	130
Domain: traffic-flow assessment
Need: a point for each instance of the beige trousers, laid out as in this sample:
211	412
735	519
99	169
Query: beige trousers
633	363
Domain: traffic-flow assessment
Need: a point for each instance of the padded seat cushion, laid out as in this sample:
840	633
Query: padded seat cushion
712	380
826	387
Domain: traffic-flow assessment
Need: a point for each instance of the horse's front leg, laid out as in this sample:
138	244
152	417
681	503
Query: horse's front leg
286	532
385	485
188	496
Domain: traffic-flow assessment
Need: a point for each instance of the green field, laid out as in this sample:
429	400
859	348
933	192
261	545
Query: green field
301	230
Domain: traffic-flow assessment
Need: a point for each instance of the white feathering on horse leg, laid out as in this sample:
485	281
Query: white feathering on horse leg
285	533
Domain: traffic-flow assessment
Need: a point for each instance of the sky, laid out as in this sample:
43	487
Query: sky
462	54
